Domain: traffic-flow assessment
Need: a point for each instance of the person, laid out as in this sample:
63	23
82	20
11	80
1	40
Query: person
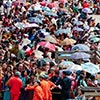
45	87
38	92
66	86
51	86
15	85
80	95
56	79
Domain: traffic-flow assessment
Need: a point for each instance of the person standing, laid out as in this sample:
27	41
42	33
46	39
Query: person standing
45	87
66	86
38	92
15	84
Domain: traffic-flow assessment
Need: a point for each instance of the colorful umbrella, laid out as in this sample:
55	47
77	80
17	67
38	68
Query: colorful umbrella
90	68
51	5
43	3
80	47
68	41
80	55
87	10
51	39
47	45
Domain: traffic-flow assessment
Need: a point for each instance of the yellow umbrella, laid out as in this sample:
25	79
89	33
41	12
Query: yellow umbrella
68	41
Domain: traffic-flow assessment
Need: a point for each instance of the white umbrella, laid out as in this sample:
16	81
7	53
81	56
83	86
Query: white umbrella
75	67
28	25
51	39
87	10
90	67
38	54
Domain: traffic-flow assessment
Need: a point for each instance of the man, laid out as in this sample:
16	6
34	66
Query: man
66	86
15	85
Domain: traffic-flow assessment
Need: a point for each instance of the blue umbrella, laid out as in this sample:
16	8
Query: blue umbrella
46	9
67	63
60	31
35	19
95	39
78	29
51	14
80	47
90	68
80	55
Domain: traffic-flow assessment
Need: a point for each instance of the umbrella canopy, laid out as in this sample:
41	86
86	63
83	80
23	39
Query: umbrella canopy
68	41
34	19
95	39
46	9
75	67
51	5
51	39
87	10
38	54
60	31
78	29
28	25
90	68
79	23
19	25
45	33
47	45
80	47
80	55
67	63
43	3
50	14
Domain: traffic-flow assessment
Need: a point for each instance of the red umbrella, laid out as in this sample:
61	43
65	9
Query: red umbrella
47	45
51	5
43	3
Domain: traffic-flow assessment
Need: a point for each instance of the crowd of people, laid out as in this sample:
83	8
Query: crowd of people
30	35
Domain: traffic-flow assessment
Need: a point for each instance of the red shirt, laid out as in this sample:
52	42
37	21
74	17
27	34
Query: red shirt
15	84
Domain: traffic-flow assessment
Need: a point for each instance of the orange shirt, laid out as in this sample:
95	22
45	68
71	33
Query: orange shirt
51	86
15	84
38	92
46	89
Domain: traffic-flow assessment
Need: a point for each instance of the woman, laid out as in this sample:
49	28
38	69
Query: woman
6	88
80	95
81	81
38	92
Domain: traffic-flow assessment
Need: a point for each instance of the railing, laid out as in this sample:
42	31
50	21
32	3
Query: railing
91	91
